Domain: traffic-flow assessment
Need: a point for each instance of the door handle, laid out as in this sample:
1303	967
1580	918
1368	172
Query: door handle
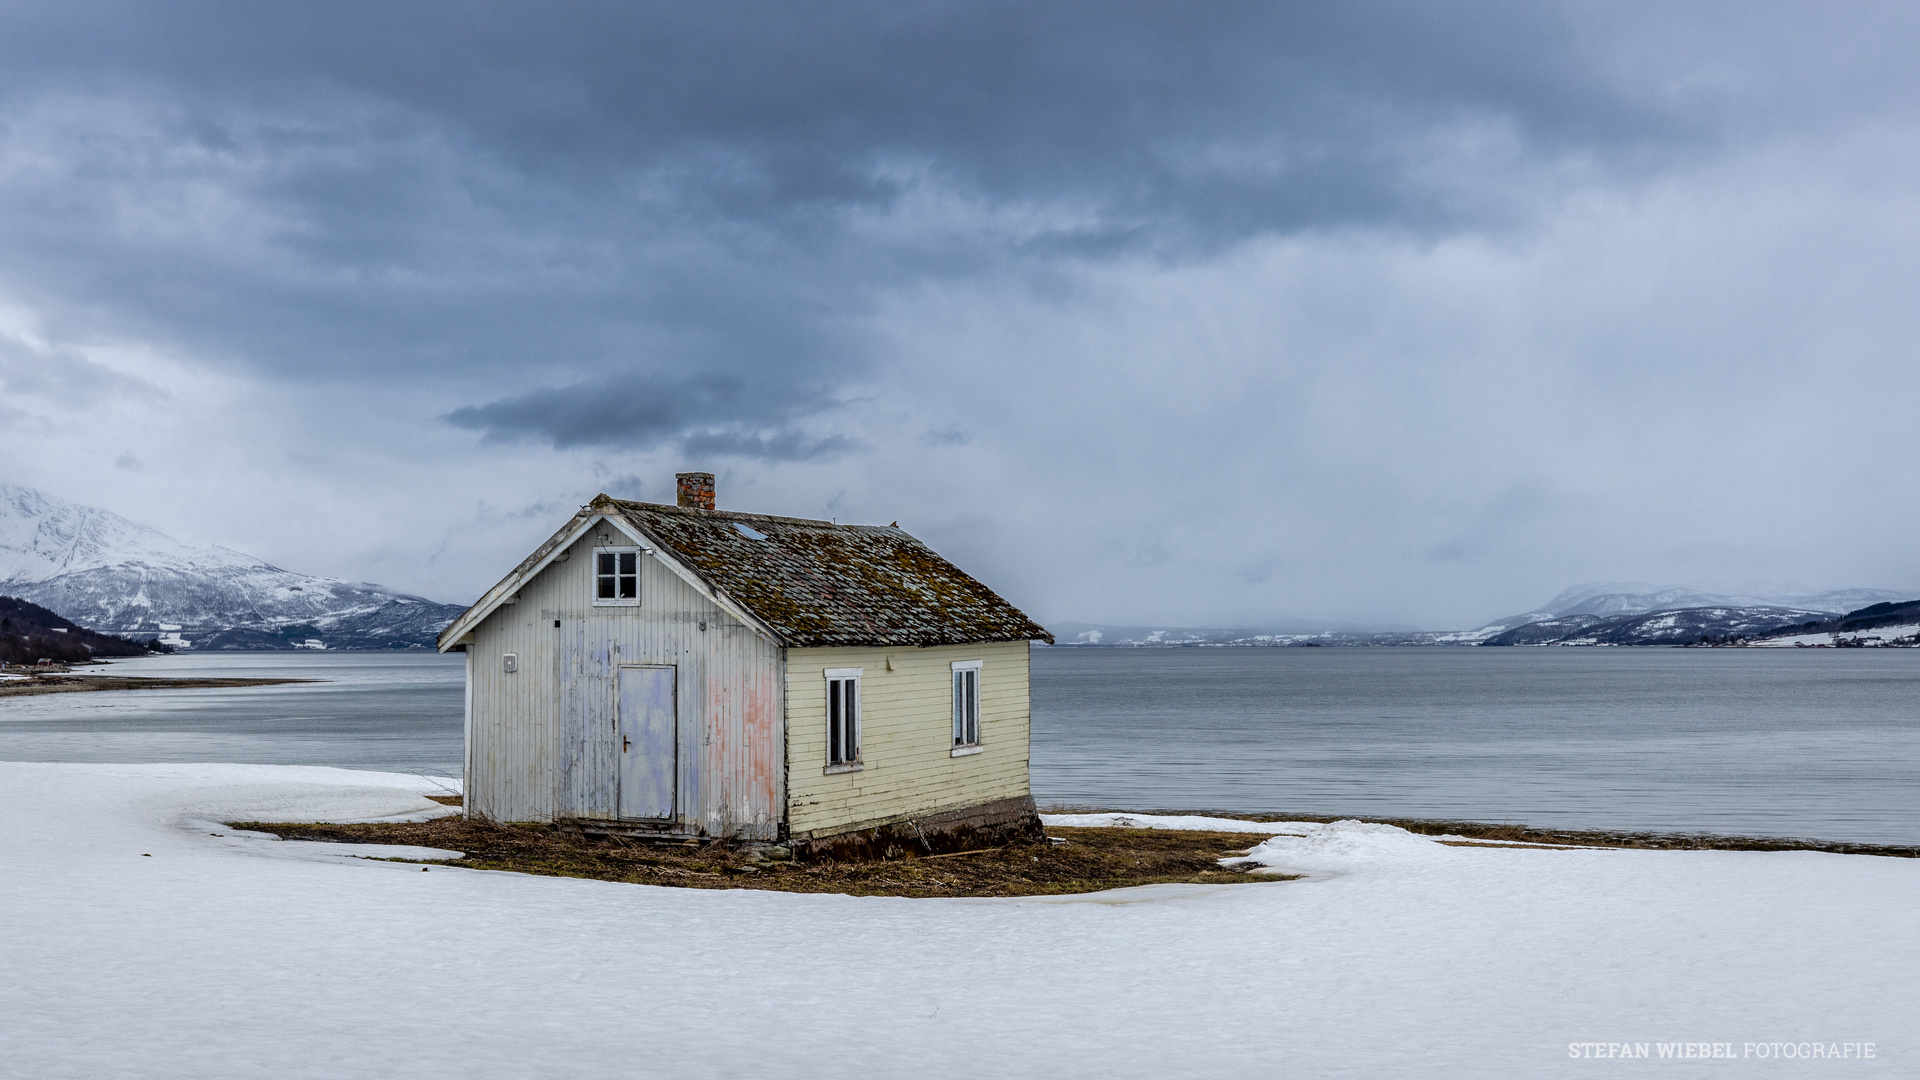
626	744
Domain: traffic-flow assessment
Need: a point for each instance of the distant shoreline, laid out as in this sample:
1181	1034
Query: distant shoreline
1505	835
1758	643
73	684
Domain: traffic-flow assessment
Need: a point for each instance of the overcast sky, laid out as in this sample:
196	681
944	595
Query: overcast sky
1384	313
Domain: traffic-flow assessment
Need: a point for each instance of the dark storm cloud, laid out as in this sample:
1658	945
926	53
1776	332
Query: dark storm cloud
628	223
708	415
1217	117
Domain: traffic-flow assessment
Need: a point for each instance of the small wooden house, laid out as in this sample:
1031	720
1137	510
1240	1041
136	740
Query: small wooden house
681	671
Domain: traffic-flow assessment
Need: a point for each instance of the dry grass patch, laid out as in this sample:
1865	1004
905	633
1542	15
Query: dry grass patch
1090	860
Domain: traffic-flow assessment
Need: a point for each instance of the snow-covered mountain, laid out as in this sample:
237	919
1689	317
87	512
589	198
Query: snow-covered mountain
1678	626
1617	600
118	576
1613	613
1635	598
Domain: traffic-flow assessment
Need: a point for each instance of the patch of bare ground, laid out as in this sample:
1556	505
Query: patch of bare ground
1090	860
1521	835
71	684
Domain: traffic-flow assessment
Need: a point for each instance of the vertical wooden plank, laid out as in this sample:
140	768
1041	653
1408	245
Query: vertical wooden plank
541	742
466	738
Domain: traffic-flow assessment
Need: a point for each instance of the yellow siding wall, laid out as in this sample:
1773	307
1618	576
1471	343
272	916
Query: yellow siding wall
906	737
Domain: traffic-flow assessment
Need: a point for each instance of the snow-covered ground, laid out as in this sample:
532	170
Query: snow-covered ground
1792	641
134	943
1872	637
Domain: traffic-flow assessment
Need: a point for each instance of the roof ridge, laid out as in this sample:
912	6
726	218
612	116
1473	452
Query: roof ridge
693	512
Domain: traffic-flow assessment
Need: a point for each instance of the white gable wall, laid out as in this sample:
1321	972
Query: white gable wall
543	739
511	719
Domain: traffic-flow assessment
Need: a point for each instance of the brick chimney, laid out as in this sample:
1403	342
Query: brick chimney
696	490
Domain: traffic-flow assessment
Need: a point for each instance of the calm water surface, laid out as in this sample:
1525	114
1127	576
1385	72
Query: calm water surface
1781	742
1818	743
398	712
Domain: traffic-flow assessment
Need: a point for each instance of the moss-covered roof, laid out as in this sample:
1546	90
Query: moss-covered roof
815	583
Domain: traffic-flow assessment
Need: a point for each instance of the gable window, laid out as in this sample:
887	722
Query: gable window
843	719
616	575
966	706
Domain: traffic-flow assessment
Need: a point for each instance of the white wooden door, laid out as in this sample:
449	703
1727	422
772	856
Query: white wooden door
649	743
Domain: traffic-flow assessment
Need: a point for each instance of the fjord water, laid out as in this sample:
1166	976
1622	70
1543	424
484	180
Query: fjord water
1821	743
387	711
1818	743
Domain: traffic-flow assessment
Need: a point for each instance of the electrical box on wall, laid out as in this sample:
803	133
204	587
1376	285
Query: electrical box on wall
509	662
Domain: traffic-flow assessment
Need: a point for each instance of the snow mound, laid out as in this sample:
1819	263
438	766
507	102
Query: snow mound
1344	845
347	801
196	795
1336	846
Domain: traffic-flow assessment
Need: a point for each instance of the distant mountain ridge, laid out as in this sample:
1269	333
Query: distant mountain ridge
1681	626
1611	613
30	633
1634	598
107	573
1632	613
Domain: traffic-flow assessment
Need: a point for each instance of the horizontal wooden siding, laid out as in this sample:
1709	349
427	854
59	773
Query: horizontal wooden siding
906	743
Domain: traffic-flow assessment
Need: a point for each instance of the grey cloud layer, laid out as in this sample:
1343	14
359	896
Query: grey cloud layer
1407	312
711	415
640	223
1227	113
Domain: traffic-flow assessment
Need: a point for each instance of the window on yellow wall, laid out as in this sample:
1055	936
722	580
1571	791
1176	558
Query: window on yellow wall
966	704
843	717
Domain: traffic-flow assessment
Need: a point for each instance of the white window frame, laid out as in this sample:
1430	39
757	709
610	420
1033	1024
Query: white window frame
843	691
966	707
617	601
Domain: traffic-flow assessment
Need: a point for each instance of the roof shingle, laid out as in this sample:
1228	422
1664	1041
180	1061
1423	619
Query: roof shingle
815	583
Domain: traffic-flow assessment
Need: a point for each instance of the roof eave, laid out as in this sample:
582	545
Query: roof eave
508	586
